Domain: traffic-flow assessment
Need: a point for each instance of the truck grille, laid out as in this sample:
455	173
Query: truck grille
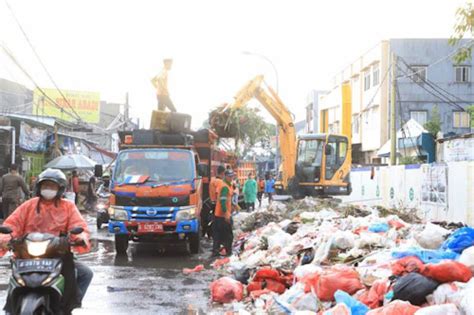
152	201
152	214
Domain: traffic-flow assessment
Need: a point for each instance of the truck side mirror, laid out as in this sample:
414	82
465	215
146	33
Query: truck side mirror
203	170
98	170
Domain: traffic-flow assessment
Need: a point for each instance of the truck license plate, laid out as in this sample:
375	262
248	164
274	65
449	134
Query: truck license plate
150	227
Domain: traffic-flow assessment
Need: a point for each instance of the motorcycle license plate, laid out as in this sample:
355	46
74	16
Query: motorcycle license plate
36	265
150	227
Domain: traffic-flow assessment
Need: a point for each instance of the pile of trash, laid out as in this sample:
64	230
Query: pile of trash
325	258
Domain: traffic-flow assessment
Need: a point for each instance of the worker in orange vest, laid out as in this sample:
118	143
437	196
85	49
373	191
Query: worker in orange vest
221	225
261	189
207	212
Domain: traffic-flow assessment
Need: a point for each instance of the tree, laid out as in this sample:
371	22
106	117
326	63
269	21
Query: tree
434	124
470	110
463	26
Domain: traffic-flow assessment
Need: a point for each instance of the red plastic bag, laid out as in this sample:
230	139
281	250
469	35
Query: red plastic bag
267	273
395	308
274	286
255	286
310	281
373	298
226	290
407	265
448	271
396	224
198	268
339	278
220	262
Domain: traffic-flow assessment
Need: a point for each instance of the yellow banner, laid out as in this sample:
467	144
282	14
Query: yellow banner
83	104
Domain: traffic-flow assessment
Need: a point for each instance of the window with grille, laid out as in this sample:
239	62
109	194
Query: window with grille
461	119
366	80
355	124
418	73
420	116
376	75
463	74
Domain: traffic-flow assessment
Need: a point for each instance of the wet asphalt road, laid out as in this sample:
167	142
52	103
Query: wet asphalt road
148	281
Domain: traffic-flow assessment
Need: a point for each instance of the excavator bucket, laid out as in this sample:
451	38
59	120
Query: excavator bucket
221	122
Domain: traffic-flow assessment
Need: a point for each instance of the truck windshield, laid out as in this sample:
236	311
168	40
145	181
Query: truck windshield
161	166
310	152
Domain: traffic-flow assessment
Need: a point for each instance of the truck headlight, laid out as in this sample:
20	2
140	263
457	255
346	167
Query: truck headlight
118	214
186	214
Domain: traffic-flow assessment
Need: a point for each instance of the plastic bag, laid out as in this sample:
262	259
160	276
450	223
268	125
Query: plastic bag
301	271
448	271
198	268
339	309
395	308
414	288
446	293
356	307
279	239
295	299
343	240
460	240
374	297
379	227
432	237
467	257
226	290
445	309
426	255
339	278
407	265
467	302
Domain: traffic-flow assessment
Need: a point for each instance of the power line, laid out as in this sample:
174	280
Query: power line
439	96
41	62
34	82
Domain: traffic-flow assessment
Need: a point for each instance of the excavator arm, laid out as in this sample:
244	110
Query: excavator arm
258	89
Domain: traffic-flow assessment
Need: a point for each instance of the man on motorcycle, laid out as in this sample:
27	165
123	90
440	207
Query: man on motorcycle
50	213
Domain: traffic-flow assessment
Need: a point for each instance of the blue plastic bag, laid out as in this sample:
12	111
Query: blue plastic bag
460	240
379	227
427	255
357	308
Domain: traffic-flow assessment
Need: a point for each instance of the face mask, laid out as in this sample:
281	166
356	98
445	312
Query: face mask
48	194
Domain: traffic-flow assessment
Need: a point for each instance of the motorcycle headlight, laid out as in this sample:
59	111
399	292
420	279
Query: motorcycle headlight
118	214
186	214
37	248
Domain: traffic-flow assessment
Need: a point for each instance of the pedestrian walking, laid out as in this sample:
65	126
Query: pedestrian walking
222	226
91	197
160	82
75	186
270	188
250	193
261	189
9	189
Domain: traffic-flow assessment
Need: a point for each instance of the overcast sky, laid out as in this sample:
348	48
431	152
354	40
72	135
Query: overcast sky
116	46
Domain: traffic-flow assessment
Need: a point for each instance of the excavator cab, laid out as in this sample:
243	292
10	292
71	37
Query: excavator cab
322	166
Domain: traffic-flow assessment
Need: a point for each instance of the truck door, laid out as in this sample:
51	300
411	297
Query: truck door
336	153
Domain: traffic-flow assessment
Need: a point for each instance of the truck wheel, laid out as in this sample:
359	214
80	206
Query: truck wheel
194	242
121	244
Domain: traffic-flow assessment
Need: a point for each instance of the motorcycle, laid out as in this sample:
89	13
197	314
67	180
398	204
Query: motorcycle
43	279
102	207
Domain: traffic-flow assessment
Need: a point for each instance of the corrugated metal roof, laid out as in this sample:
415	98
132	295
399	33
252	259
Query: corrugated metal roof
49	121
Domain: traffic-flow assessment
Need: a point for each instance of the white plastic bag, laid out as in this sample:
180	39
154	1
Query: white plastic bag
467	302
445	309
279	239
467	257
343	239
304	270
432	236
447	293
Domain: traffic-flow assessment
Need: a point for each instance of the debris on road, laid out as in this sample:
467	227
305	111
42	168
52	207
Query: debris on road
198	268
322	256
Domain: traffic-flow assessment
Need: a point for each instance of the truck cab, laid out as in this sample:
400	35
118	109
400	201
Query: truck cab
156	196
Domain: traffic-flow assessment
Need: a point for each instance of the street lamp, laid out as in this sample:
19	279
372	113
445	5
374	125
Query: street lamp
277	153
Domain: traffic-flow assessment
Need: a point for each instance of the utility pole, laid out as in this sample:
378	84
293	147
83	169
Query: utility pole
393	126
126	112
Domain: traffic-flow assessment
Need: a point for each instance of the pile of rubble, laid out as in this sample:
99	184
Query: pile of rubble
326	258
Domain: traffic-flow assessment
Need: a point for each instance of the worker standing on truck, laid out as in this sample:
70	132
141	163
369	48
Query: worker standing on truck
206	213
222	226
160	82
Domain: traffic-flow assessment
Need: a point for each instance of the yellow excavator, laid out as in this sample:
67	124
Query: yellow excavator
312	164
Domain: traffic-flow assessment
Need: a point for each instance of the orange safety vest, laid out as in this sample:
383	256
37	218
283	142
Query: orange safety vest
218	212
261	185
213	185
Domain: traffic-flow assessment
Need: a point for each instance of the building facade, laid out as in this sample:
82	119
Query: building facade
428	82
